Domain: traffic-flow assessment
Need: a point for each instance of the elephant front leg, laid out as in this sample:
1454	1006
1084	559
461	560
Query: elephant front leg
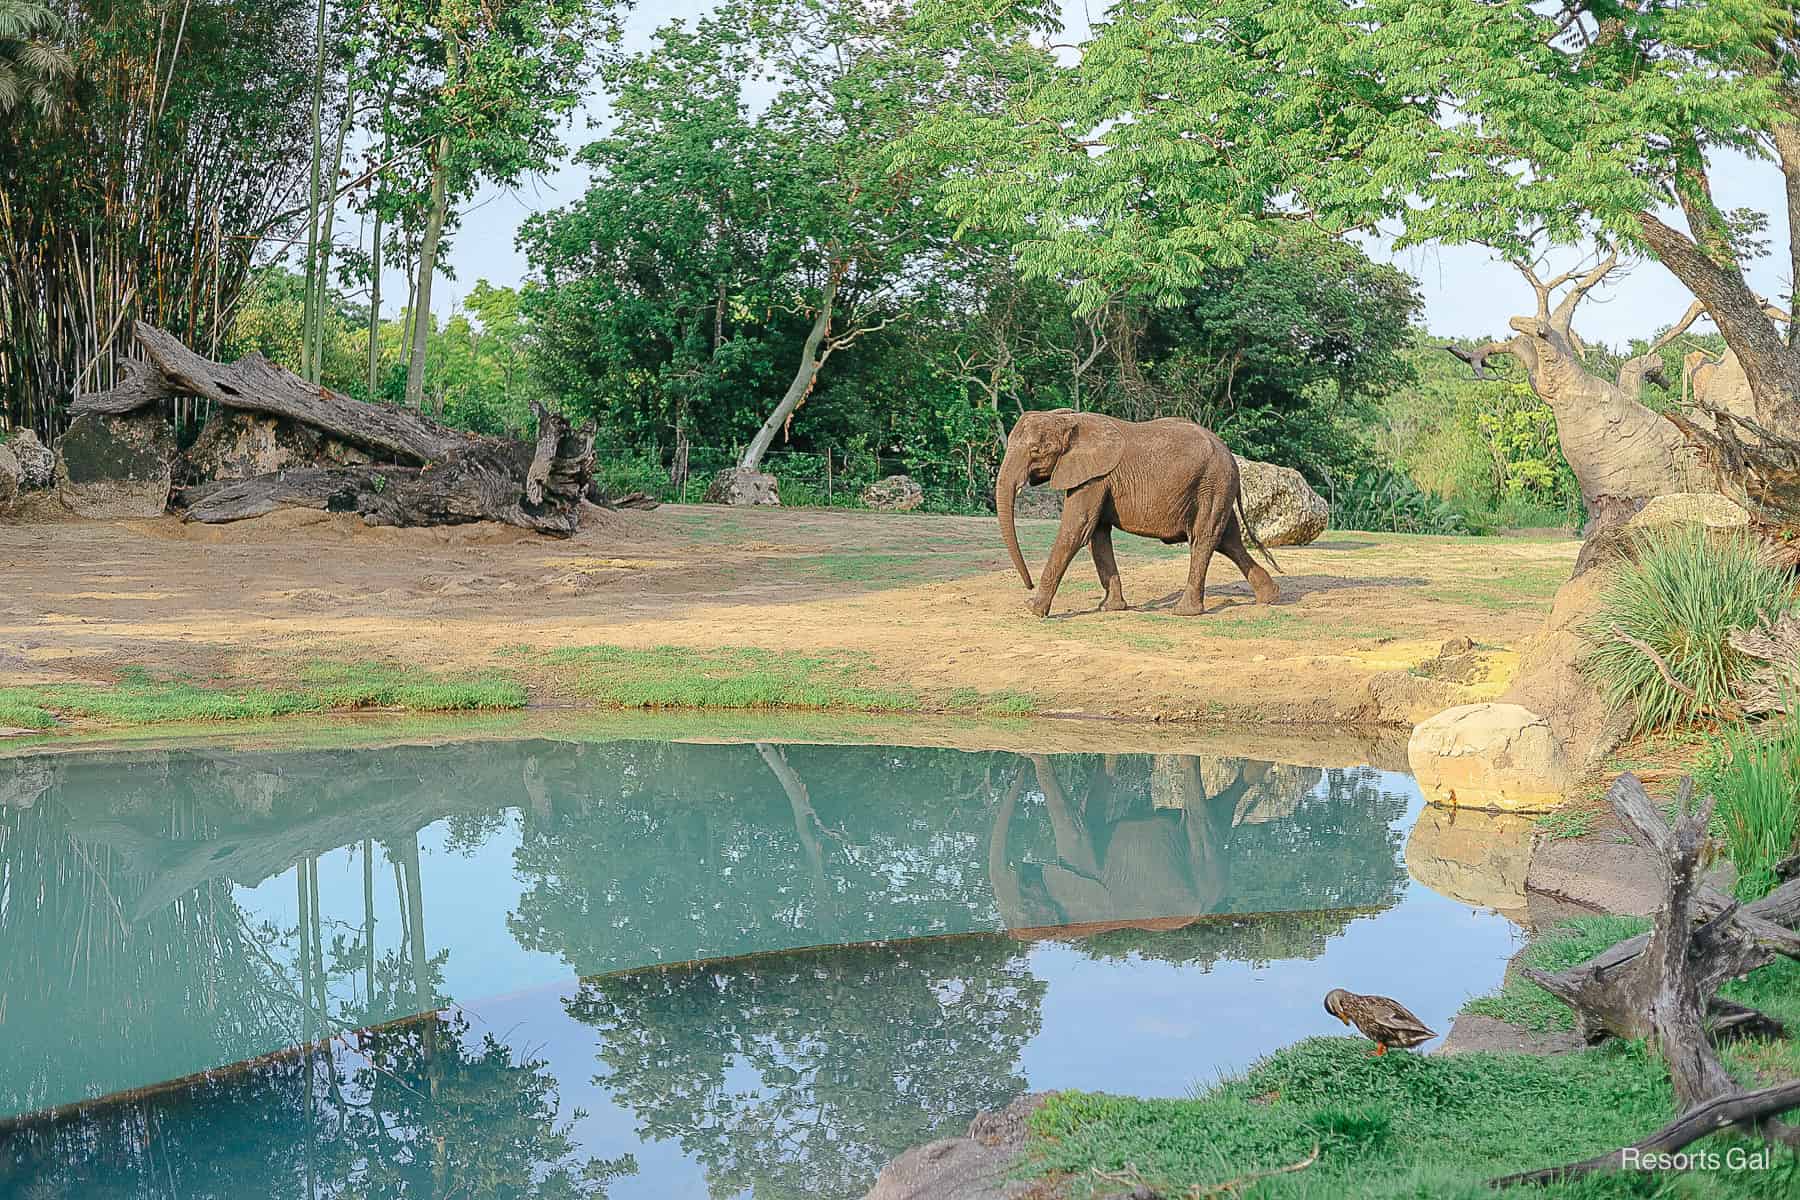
1078	520
1108	567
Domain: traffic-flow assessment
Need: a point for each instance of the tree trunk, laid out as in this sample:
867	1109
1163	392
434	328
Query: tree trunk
428	249
810	362
442	476
328	232
308	314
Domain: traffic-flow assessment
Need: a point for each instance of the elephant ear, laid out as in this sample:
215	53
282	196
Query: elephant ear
1095	448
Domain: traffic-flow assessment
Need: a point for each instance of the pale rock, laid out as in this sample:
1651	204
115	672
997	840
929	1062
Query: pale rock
736	486
12	478
1280	506
896	493
1476	858
1707	509
36	462
1494	756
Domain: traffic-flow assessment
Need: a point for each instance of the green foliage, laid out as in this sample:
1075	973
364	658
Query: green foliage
1684	594
33	66
1755	774
1385	500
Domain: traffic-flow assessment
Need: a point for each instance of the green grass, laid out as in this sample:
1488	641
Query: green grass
1523	1003
139	699
1567	823
1508	589
1409	1125
1756	776
749	677
1685	593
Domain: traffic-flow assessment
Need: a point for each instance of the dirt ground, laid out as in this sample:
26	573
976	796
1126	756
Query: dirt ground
927	602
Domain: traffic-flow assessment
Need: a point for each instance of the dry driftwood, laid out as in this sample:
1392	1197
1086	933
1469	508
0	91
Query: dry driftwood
1663	985
437	476
1756	466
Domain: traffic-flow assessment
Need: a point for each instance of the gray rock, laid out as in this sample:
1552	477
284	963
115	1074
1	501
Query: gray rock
1281	507
37	464
896	493
736	486
1472	1033
240	445
111	467
971	1167
12	479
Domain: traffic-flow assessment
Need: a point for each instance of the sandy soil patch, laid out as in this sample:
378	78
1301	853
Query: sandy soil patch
926	602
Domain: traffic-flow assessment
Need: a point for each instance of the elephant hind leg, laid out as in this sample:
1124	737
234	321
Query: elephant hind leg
1108	567
1231	545
1205	542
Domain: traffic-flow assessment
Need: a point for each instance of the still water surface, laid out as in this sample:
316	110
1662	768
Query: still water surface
659	969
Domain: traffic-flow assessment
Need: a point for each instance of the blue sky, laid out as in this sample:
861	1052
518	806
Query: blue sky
1468	293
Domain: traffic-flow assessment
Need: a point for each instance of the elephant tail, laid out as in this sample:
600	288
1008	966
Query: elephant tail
1249	533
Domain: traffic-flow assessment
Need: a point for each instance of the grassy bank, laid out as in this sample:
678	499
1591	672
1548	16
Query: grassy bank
664	677
138	698
1408	1125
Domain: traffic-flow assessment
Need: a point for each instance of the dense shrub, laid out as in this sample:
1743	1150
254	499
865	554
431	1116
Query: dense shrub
1386	500
1681	599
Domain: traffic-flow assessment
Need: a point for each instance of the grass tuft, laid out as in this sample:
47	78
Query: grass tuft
1685	593
1755	773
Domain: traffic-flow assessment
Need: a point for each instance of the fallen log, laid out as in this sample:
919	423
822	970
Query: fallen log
435	475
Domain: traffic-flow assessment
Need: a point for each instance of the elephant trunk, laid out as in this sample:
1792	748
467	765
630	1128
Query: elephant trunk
1006	489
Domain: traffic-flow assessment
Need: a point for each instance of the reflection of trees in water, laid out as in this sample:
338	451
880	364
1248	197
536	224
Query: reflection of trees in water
423	1109
799	1075
119	884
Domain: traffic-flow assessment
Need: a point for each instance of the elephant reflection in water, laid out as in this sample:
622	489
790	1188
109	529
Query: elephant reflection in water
1120	861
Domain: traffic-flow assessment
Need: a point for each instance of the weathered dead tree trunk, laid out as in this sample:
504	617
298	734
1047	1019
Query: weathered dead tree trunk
436	476
1663	986
1622	452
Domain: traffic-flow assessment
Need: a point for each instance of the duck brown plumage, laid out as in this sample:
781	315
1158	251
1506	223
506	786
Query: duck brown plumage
1383	1021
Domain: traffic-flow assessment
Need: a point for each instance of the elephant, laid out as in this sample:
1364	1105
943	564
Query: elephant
1170	479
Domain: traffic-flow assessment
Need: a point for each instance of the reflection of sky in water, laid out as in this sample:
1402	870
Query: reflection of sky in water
640	853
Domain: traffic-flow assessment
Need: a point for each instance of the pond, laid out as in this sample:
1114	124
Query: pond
643	968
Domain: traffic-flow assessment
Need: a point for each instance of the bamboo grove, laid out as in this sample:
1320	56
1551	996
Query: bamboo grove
189	143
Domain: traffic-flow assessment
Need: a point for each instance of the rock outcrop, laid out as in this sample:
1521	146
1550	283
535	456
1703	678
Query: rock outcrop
108	467
37	465
1281	507
896	493
972	1167
242	445
1495	756
11	479
734	485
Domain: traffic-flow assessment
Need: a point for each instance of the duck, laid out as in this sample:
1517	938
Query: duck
1383	1021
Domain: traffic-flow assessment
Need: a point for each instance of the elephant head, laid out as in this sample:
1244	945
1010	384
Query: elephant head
1062	447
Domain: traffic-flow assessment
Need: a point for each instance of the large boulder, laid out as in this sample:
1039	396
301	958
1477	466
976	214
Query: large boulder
109	467
734	485
11	479
975	1166
1281	507
896	493
1495	756
1708	509
37	465
240	445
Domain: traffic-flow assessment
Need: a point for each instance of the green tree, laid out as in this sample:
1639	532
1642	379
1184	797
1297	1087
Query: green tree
1192	136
